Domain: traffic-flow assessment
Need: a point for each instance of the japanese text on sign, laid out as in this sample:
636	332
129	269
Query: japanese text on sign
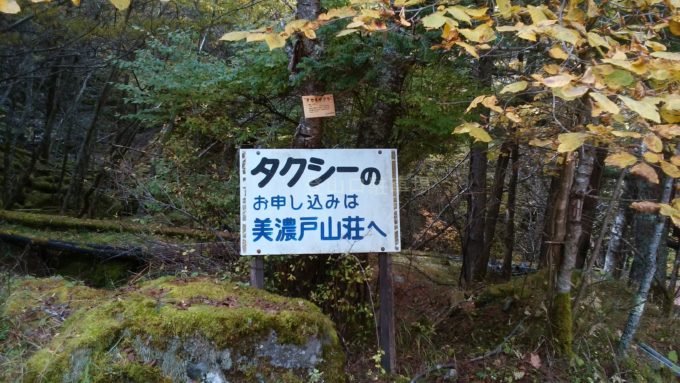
318	106
319	201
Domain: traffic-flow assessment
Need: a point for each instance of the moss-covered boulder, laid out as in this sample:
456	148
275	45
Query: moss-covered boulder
184	330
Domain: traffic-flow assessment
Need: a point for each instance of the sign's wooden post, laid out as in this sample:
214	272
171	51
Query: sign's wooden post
387	342
257	272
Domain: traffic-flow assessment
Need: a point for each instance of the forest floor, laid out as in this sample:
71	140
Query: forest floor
499	332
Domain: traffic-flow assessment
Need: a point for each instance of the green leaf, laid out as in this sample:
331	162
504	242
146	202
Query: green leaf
673	356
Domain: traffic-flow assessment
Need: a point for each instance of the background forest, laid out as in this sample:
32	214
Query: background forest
538	157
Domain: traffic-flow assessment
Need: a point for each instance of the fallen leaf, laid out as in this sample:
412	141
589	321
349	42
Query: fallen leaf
9	6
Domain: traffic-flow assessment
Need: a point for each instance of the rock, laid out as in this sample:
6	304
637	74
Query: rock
184	330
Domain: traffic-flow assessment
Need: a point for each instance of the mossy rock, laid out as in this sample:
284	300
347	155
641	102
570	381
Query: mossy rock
181	330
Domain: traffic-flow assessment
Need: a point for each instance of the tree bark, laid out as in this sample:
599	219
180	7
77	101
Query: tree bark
494	204
643	230
73	195
376	130
548	218
473	237
562	320
309	131
672	285
473	242
649	270
585	276
510	216
590	207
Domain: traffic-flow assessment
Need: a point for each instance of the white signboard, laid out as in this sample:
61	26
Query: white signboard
315	201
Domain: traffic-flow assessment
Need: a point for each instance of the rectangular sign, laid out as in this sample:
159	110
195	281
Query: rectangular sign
315	201
318	106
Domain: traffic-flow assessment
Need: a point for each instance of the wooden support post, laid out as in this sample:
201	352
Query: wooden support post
387	342
257	272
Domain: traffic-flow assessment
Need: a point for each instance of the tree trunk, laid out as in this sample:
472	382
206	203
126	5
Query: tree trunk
73	195
649	270
473	242
510	216
50	114
643	230
562	320
309	130
585	276
473	237
557	225
672	285
615	257
376	130
494	205
611	257
590	207
548	218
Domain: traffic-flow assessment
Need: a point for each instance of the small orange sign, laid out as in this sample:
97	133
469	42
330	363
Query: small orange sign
318	106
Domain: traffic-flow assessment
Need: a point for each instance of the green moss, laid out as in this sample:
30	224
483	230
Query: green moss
28	293
45	184
562	324
161	310
520	288
37	199
130	372
63	222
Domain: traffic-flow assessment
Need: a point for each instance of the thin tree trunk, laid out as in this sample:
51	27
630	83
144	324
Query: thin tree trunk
510	216
643	230
562	320
649	271
672	285
473	243
494	205
548	218
121	144
375	131
50	114
557	225
309	131
473	240
614	245
69	129
585	277
590	207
